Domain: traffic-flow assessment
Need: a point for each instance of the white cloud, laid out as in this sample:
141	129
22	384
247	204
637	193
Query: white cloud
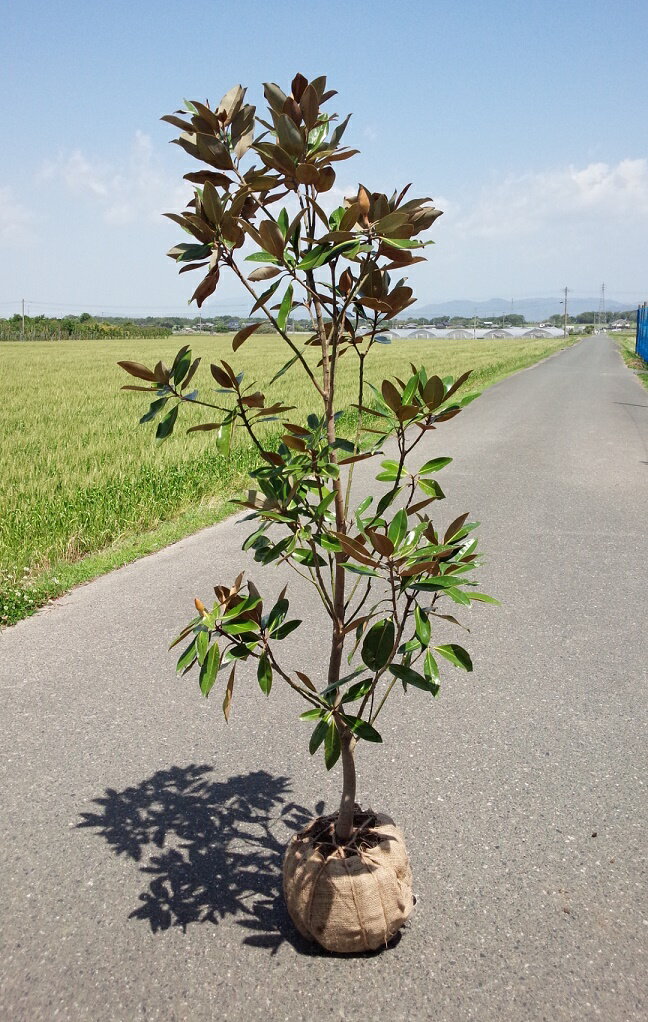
524	204
140	191
16	221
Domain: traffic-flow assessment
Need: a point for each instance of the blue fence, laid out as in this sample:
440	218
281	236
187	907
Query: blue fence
641	347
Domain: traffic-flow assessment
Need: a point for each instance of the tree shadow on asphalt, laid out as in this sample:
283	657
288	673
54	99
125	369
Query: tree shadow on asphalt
221	849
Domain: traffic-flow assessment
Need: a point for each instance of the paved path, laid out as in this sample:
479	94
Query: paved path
142	837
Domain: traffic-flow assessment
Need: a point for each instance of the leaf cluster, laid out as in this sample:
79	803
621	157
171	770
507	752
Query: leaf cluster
385	573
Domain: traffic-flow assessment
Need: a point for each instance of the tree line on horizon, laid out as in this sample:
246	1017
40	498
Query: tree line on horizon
87	327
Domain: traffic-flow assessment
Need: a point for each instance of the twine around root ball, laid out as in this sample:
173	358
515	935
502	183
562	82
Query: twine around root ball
349	897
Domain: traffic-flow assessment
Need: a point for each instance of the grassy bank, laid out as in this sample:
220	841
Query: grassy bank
85	489
631	359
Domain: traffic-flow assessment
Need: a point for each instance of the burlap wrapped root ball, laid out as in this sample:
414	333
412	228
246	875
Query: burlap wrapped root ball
349	903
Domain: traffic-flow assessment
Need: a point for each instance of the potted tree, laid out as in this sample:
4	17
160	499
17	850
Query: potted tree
383	571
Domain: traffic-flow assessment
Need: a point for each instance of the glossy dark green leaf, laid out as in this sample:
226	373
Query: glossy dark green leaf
209	669
318	735
181	368
431	668
264	674
359	569
277	614
357	691
362	728
283	222
332	747
285	307
422	626
314	714
389	472
187	658
386	500
435	465
431	488
398	528
284	369
410	676
155	409
165	427
457	655
202	645
285	629
378	644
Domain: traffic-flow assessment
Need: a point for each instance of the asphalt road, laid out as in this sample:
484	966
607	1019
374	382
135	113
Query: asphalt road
142	837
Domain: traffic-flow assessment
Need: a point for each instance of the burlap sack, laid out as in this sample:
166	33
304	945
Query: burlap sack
349	904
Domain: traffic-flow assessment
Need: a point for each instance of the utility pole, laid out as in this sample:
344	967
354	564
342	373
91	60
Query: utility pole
22	327
601	313
565	313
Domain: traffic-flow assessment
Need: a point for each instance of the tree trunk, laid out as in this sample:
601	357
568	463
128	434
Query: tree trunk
344	825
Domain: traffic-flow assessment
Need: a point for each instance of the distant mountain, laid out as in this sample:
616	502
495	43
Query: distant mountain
533	309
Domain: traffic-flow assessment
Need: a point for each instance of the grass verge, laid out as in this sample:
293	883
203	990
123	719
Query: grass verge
631	359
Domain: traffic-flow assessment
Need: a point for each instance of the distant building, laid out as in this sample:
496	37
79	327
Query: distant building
459	333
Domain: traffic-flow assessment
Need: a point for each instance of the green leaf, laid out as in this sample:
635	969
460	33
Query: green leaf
264	674
249	603
359	569
431	488
285	307
284	369
156	407
182	368
398	528
335	685
277	614
357	691
435	465
378	644
224	437
283	222
422	626
285	629
410	676
209	670
314	714
307	557
386	500
261	257
331	747
318	735
241	628
316	257
338	132
187	658
431	668
457	655
238	652
165	427
483	598
187	253
389	473
362	728
202	645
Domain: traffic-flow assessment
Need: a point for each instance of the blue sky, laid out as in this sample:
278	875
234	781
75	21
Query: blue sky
525	121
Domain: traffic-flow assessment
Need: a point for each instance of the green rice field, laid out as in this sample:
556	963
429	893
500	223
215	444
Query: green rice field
84	488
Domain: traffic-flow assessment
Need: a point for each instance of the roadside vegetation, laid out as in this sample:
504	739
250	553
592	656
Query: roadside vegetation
631	359
80	497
